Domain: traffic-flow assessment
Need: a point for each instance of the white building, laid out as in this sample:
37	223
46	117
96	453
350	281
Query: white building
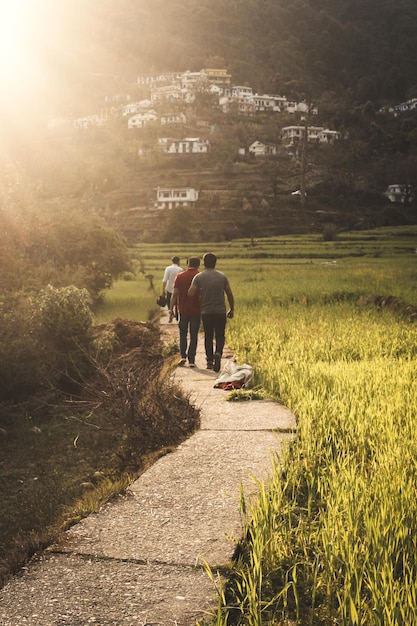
172	93
191	80
238	91
84	123
300	107
135	107
328	136
399	193
244	105
275	104
258	148
172	118
152	79
315	134
141	119
189	145
409	105
214	76
168	197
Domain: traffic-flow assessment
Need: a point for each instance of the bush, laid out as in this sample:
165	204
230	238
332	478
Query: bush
19	356
44	342
62	322
329	232
64	315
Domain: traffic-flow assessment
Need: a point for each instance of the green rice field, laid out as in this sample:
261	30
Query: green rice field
330	329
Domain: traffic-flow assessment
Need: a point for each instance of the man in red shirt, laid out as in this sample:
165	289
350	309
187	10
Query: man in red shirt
189	311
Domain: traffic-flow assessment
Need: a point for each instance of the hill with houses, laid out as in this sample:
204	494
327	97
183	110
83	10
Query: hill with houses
280	119
195	147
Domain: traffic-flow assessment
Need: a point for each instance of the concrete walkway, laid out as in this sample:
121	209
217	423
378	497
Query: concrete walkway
138	560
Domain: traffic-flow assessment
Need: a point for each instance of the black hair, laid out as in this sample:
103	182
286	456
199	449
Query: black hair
194	261
209	260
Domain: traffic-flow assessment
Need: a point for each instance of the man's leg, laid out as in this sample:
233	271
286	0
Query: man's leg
219	330
194	328
208	337
169	299
183	327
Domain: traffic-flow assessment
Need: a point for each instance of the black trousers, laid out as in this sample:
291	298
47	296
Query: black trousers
214	330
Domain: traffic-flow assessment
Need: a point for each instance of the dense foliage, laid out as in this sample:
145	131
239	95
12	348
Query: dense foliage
361	49
55	265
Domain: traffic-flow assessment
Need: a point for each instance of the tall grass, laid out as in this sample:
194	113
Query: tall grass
132	298
335	529
345	516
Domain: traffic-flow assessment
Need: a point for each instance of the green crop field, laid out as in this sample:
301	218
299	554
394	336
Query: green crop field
330	329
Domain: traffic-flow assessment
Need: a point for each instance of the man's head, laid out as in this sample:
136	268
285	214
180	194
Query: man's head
209	260
175	259
194	262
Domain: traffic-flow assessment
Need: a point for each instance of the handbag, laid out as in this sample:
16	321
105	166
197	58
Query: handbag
161	301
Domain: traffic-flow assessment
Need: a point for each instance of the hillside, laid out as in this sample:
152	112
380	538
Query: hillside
346	59
363	50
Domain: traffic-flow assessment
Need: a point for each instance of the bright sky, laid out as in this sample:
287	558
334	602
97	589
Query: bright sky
29	47
17	37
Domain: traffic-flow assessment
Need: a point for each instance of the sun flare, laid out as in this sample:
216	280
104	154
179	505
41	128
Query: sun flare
26	32
14	43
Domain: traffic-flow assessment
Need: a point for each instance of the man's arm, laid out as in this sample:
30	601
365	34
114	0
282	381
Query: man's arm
165	280
193	290
174	299
230	299
173	303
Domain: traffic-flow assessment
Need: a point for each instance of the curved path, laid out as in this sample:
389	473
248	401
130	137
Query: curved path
138	559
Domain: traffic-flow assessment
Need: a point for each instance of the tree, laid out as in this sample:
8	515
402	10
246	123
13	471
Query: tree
180	225
79	245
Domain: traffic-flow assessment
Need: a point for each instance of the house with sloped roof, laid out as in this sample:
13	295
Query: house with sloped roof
259	148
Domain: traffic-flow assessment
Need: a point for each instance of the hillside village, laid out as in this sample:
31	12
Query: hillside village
180	89
160	112
168	98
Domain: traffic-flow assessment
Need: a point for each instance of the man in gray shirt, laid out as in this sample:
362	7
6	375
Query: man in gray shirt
212	285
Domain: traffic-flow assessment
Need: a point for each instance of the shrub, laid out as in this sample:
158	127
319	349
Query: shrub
19	357
62	322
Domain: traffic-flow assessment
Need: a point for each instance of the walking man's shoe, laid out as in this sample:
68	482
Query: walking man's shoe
192	364
217	361
182	362
209	365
